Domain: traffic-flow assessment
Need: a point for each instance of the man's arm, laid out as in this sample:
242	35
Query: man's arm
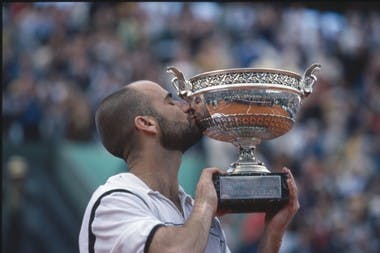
193	235
277	223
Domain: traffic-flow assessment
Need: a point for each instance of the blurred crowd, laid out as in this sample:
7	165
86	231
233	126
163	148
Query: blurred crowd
61	59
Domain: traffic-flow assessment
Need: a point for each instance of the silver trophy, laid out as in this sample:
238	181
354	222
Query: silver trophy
244	106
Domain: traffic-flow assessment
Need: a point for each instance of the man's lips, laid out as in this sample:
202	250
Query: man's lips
192	118
195	116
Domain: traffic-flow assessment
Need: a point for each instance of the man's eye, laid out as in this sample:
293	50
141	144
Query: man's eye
171	102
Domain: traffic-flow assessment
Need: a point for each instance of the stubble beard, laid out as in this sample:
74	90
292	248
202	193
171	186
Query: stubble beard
178	135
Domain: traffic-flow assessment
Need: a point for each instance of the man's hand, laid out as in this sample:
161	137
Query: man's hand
205	195
276	223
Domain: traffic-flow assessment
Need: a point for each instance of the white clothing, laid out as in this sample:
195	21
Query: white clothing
124	213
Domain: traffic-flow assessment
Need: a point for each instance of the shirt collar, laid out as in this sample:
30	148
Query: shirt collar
142	186
129	181
183	194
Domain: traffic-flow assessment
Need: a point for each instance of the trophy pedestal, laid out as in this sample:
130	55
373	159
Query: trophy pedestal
245	192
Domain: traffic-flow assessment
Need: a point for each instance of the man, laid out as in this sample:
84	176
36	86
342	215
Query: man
145	210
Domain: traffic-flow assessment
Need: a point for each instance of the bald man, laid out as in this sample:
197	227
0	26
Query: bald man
145	209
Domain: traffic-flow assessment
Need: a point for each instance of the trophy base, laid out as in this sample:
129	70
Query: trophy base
251	191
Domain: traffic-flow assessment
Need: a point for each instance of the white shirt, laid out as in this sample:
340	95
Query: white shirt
124	213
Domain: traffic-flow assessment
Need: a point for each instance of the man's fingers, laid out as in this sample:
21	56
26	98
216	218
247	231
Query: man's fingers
293	191
208	172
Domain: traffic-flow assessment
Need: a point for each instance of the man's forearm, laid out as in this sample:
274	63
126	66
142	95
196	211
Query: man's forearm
191	237
270	242
276	223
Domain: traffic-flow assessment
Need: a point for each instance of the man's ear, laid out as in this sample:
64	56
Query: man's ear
147	124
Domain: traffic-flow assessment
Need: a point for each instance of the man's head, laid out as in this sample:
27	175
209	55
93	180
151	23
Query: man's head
146	108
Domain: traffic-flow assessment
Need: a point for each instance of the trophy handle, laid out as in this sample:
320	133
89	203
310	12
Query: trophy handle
308	79
179	82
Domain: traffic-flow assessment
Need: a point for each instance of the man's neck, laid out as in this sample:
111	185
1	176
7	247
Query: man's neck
159	171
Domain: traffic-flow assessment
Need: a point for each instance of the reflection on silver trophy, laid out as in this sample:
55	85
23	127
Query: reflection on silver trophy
244	106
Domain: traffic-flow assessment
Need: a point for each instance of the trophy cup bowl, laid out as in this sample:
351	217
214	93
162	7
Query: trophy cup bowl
244	106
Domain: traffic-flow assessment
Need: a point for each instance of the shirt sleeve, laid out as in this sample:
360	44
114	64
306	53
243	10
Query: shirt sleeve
123	222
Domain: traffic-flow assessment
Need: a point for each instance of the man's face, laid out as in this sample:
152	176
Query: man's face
178	133
178	127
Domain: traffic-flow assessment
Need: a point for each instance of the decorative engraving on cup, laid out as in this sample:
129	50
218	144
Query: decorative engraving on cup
219	79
